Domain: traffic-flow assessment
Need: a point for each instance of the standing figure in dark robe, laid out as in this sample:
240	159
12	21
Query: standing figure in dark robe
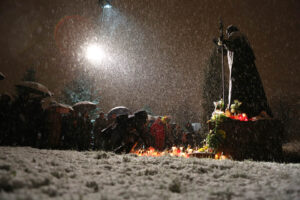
244	81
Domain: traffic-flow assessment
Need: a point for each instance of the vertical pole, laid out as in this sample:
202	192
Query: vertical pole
223	85
222	61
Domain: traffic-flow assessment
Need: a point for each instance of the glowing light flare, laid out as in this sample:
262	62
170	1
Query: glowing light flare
180	152
241	117
95	53
221	156
174	152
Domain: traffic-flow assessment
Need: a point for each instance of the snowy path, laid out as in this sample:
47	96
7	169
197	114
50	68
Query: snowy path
27	173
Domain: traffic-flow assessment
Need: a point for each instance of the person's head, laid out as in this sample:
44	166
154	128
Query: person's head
230	29
86	114
101	115
122	119
114	116
131	122
158	120
141	116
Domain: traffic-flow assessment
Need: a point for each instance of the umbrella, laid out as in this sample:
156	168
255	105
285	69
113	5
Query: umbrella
59	107
2	76
83	106
33	87
119	110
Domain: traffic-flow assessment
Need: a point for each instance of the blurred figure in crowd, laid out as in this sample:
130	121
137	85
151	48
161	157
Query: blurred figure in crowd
158	132
100	124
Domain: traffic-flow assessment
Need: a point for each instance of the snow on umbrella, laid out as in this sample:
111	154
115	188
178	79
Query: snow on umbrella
59	107
34	87
2	76
119	110
83	106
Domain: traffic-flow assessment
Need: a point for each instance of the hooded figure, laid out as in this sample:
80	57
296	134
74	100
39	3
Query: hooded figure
244	81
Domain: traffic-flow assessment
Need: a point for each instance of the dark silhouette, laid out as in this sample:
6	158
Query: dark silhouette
244	81
126	133
85	126
5	119
100	124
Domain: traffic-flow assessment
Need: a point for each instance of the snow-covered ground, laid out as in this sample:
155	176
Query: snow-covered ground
28	173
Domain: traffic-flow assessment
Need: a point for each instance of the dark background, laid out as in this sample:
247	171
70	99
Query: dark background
158	48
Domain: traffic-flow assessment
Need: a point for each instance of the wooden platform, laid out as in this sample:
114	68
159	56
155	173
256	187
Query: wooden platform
257	140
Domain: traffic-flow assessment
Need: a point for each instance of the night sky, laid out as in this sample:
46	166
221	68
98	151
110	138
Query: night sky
157	48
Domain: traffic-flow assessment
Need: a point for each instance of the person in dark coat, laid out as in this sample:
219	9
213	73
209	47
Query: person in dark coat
35	121
119	132
85	126
53	122
141	120
74	130
134	134
69	128
129	138
177	134
126	133
189	135
244	81
19	122
100	124
5	119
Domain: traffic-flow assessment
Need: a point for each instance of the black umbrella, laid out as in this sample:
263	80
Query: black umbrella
119	110
59	107
33	87
2	76
83	106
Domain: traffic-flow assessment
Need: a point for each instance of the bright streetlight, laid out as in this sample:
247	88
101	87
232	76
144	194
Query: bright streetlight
95	53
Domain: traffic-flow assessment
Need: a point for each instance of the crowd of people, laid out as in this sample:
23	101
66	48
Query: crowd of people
24	122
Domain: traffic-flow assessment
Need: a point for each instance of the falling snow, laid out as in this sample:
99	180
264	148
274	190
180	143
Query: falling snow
154	54
157	50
